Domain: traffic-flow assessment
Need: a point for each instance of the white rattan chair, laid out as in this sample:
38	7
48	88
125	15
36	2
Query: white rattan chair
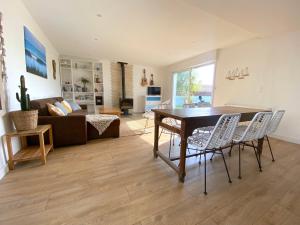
173	123
219	139
254	131
272	127
149	115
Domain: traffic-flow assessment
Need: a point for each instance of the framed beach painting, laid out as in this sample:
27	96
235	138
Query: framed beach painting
35	55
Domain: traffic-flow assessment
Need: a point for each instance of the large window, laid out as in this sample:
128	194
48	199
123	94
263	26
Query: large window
194	86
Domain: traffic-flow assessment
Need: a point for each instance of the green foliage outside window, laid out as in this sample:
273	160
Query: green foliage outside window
187	85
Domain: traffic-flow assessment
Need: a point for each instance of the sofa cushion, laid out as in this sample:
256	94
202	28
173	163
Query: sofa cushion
41	104
55	111
61	107
74	105
67	106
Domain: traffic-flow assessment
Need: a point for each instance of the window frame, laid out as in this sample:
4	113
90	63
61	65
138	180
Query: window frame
190	69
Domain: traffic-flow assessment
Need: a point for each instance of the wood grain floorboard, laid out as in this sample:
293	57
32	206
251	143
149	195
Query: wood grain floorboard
117	181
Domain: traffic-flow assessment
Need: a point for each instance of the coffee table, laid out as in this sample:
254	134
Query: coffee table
110	110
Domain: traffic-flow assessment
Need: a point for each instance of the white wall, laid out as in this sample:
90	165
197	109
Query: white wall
107	95
274	80
139	92
15	16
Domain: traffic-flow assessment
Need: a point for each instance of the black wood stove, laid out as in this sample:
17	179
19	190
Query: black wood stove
125	103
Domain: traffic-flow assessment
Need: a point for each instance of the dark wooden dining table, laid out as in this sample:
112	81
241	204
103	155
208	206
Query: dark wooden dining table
191	119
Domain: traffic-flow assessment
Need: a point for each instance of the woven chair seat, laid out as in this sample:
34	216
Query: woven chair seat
199	140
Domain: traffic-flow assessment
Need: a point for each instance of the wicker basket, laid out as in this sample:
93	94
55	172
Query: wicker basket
25	120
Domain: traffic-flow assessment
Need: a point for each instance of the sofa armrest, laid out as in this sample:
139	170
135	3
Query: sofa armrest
67	130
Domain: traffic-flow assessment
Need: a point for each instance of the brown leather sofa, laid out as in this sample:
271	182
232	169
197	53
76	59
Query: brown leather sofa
73	128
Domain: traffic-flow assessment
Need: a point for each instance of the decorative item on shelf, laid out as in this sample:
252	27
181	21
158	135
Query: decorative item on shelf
237	74
24	119
67	87
84	81
77	88
64	63
144	81
54	69
97	80
151	80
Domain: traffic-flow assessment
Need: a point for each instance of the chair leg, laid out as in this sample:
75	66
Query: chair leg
205	192
188	150
200	159
231	146
170	144
258	160
229	179
240	176
160	134
174	140
273	160
146	125
211	158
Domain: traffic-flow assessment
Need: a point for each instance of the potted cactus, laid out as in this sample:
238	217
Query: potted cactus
24	119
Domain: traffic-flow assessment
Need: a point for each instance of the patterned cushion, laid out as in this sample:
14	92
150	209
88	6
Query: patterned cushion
74	105
61	107
67	106
54	111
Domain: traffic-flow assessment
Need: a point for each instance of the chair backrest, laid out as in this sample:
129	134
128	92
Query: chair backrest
274	123
257	127
223	132
165	105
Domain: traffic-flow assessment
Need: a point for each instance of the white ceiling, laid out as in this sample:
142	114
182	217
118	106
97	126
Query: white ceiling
263	17
153	32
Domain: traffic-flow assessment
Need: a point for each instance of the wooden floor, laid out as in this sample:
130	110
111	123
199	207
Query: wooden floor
118	182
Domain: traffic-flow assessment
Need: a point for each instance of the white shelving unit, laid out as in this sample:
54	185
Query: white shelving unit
82	81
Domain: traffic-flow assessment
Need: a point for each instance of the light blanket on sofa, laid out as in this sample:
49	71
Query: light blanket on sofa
101	121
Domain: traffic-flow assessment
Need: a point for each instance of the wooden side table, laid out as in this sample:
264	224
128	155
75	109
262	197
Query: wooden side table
29	152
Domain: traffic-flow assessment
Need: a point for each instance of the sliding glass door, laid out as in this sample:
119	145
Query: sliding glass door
194	86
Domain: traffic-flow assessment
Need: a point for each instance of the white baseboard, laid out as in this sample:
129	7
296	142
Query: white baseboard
3	171
288	139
